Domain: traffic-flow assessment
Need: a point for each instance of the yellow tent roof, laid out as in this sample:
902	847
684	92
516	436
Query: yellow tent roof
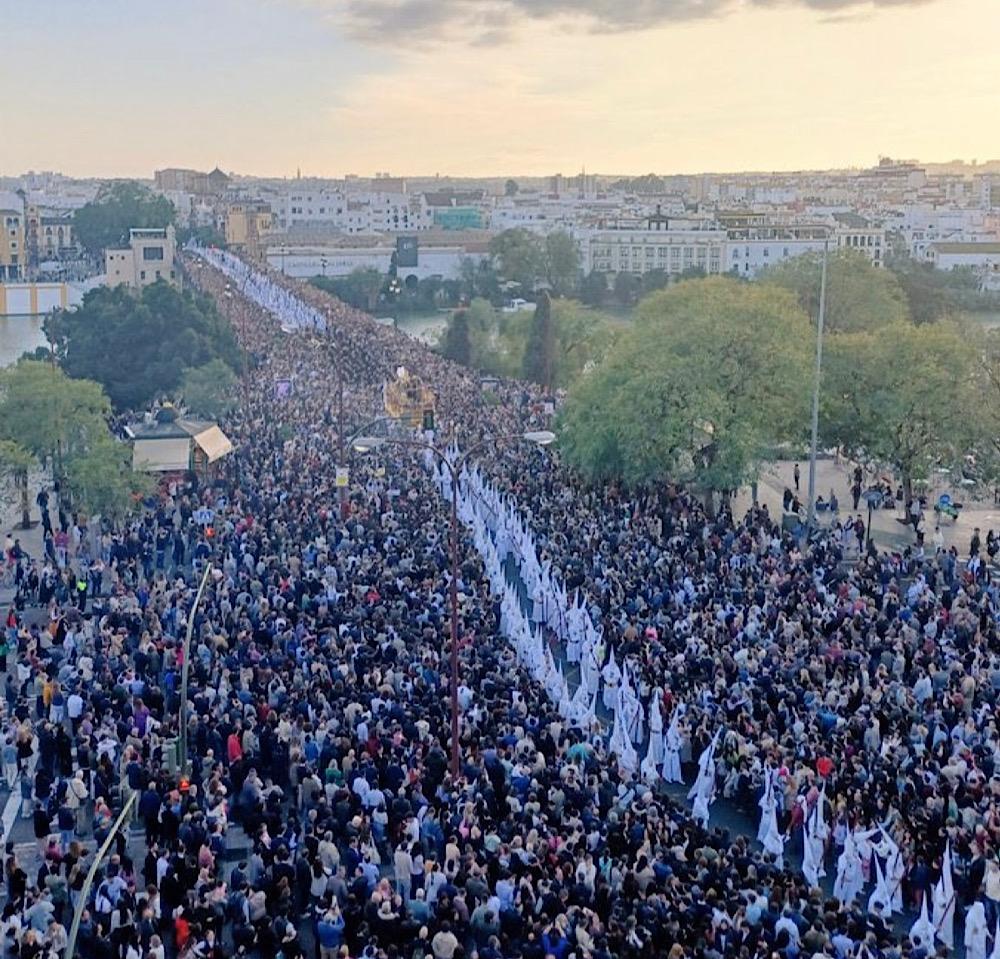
213	443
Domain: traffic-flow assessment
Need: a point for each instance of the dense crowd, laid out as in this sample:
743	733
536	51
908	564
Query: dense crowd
611	640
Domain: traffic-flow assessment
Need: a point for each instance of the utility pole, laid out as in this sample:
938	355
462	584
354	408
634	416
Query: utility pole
811	513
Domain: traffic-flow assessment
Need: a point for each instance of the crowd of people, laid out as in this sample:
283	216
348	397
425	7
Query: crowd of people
612	641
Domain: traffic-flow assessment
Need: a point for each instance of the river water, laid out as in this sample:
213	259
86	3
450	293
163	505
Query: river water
19	334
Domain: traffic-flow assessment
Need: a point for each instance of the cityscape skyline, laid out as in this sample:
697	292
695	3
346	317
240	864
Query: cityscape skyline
485	89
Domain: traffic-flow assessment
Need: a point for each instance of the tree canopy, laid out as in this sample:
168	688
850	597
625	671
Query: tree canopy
933	294
526	259
138	346
360	288
562	262
519	256
43	410
499	343
713	372
905	395
538	362
859	296
46	415
118	207
210	390
103	482
456	344
15	462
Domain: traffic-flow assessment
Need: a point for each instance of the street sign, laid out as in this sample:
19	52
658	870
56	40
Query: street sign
341	476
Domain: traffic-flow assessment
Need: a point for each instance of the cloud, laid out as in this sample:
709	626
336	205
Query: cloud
491	22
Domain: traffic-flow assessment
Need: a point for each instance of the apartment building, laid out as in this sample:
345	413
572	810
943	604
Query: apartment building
148	257
12	247
659	243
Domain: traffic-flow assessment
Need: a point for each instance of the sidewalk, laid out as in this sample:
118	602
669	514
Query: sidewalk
887	532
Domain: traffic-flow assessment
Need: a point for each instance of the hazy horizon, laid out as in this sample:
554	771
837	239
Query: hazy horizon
510	174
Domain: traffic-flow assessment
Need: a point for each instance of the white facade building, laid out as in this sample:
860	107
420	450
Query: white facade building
984	258
661	243
354	213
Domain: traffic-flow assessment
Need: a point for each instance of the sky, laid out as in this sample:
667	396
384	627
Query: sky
494	87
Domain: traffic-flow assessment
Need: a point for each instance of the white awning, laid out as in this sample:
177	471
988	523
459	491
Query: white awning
162	455
214	444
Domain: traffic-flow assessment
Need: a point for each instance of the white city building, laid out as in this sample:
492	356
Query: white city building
661	243
984	258
353	212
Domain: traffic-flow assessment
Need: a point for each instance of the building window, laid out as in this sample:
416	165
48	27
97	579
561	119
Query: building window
152	253
142	274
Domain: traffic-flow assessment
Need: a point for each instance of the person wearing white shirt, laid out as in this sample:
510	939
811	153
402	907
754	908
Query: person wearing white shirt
74	706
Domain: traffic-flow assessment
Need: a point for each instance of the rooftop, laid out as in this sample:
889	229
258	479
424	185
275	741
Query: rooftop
173	429
966	247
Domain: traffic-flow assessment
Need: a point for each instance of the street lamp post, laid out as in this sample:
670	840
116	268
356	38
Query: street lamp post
81	904
366	445
811	512
185	671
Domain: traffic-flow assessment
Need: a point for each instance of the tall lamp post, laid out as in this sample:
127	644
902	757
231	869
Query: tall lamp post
811	512
369	443
81	904
182	713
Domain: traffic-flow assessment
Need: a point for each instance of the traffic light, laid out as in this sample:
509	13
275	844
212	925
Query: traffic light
428	421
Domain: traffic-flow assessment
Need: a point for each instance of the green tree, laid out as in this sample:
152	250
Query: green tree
511	188
118	207
210	390
161	332
538	364
562	262
15	462
859	296
986	344
594	288
479	279
365	286
48	414
649	183
457	344
657	279
905	395
103	482
627	288
711	374
520	257
933	294
583	337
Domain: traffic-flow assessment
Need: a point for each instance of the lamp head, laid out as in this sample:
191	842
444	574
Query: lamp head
366	444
